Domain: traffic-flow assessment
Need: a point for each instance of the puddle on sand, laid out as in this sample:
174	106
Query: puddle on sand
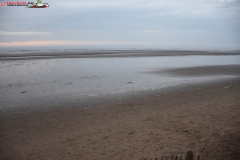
26	80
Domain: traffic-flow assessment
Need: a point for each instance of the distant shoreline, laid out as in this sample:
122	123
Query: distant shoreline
110	53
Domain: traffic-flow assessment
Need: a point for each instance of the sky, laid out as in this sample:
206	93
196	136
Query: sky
162	24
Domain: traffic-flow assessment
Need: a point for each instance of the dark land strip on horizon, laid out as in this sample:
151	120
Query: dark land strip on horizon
109	53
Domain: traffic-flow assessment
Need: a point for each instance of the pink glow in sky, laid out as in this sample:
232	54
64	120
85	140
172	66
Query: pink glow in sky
58	42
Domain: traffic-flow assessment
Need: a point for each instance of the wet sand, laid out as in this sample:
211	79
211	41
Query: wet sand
203	118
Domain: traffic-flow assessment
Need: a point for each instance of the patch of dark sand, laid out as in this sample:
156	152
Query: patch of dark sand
231	70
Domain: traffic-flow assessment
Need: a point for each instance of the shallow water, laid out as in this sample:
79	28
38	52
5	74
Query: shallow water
56	78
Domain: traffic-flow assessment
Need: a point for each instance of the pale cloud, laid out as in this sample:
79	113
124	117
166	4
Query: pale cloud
151	31
195	7
61	42
23	33
223	1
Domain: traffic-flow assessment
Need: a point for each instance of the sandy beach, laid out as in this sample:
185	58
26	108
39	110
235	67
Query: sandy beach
120	80
202	117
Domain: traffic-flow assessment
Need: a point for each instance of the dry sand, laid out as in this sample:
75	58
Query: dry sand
204	118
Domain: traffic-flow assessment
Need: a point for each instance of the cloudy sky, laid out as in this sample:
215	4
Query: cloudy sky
194	24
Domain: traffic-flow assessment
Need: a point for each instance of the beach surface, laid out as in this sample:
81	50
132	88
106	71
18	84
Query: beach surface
201	116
